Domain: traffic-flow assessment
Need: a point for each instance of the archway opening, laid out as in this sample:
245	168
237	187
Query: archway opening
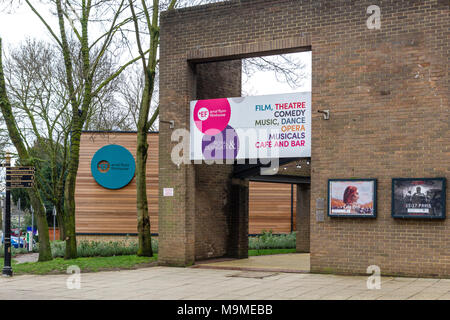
271	212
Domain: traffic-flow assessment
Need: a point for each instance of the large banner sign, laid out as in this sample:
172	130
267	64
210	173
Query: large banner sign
259	127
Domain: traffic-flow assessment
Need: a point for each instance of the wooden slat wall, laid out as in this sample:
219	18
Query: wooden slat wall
270	207
100	210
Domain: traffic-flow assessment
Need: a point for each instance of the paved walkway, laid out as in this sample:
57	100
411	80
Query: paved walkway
27	257
194	283
292	262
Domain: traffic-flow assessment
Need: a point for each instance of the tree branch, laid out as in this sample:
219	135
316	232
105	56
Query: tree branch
45	23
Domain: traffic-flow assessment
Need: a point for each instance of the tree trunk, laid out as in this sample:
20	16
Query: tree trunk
70	237
45	252
144	235
61	222
69	197
36	200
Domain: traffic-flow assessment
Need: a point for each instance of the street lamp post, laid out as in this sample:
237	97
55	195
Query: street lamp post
7	270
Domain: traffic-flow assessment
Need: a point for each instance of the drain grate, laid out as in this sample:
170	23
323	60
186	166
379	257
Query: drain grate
253	274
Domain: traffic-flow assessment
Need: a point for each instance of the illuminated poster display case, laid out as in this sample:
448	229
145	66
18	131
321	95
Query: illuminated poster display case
418	198
353	198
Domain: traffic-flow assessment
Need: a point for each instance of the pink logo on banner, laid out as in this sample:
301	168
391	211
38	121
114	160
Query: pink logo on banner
212	116
221	146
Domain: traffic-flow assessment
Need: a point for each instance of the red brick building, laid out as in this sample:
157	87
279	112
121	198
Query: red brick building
387	90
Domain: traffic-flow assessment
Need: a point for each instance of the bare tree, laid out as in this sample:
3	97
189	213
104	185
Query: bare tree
40	107
132	92
35	79
287	68
3	139
25	159
75	21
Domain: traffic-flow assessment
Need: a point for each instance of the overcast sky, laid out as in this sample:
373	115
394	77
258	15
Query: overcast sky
21	23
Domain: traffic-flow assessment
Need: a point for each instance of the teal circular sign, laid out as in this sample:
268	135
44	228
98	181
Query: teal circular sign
113	166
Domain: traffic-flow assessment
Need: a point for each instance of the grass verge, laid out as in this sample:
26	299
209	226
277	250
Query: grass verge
91	264
263	252
95	264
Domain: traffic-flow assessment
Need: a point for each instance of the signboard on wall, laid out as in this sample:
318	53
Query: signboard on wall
418	198
271	126
354	198
113	166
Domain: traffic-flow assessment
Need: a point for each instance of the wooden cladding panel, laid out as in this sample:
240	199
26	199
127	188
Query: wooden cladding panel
100	210
270	207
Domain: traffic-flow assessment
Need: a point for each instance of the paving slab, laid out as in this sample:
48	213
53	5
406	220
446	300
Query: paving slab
211	284
291	262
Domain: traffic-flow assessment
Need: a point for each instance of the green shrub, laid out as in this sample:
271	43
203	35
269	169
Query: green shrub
90	248
101	248
267	240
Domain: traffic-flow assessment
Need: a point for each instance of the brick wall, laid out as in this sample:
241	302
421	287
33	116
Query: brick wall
213	182
387	91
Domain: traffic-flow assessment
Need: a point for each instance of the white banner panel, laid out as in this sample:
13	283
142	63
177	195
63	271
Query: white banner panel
258	127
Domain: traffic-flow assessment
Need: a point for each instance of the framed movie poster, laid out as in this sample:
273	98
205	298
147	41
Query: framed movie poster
418	198
356	198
